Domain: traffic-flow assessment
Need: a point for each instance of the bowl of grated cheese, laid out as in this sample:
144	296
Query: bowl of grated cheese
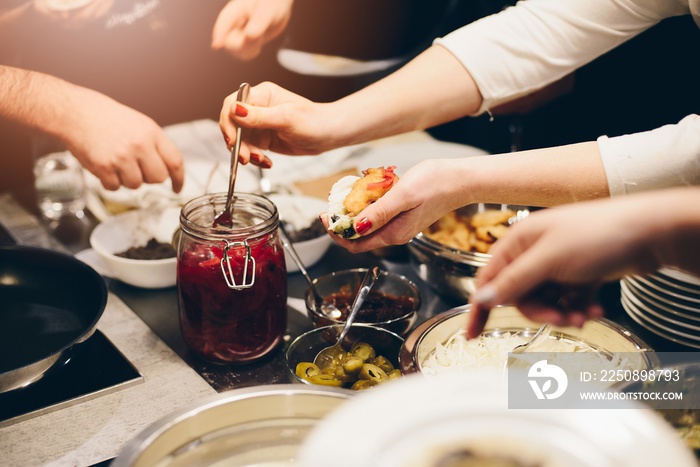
439	345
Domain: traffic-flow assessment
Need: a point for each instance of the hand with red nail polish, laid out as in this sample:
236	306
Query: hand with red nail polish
261	160
278	120
363	226
413	204
241	111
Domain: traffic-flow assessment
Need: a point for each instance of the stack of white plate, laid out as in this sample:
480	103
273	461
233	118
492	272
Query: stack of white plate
666	303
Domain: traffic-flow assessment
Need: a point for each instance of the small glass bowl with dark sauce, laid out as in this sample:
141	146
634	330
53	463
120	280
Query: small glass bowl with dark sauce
392	304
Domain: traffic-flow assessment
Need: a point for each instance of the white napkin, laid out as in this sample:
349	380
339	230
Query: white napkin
207	162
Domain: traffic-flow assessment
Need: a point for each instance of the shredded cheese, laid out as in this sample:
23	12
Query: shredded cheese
489	352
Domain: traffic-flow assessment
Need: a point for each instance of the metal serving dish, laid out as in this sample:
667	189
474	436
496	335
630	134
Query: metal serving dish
465	420
601	334
450	271
682	378
259	425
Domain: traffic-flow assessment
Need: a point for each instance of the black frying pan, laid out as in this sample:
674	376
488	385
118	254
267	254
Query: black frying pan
49	302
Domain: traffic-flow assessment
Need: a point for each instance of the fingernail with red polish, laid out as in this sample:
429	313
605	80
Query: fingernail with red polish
241	111
363	225
226	139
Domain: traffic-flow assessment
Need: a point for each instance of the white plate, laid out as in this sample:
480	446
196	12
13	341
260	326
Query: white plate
643	320
663	311
681	277
639	319
403	151
660	319
676	322
662	298
666	291
412	421
670	283
406	154
666	310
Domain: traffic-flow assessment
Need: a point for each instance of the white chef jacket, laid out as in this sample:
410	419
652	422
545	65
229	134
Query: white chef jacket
537	42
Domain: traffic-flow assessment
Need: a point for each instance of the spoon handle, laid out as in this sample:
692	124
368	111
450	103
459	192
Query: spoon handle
295	256
367	283
242	96
523	347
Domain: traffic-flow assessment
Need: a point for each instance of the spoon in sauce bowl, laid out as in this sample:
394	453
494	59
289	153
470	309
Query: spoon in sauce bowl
326	308
327	356
224	219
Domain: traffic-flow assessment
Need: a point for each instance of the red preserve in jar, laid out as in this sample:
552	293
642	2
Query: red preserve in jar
232	282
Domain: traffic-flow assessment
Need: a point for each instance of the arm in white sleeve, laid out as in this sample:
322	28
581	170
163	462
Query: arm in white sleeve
536	42
665	157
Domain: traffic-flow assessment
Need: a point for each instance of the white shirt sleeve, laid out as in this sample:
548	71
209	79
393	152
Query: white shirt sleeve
536	42
666	157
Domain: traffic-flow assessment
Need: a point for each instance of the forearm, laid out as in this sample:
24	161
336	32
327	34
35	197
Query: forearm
541	177
673	226
431	89
665	157
662	158
35	100
535	43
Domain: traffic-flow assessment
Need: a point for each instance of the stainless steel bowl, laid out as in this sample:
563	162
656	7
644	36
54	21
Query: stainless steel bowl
260	425
683	413
450	271
601	334
677	378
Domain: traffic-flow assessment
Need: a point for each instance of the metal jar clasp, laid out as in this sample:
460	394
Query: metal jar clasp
246	282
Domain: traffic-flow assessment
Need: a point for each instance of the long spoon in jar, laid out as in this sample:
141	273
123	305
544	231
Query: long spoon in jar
224	219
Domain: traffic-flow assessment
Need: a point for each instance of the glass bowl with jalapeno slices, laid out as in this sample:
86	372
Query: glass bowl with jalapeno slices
370	358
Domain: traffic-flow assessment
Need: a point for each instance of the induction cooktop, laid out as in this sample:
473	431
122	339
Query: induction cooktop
95	368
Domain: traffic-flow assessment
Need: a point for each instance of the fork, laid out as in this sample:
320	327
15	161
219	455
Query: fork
521	348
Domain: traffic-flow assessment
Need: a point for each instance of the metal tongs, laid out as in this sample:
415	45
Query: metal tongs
225	219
